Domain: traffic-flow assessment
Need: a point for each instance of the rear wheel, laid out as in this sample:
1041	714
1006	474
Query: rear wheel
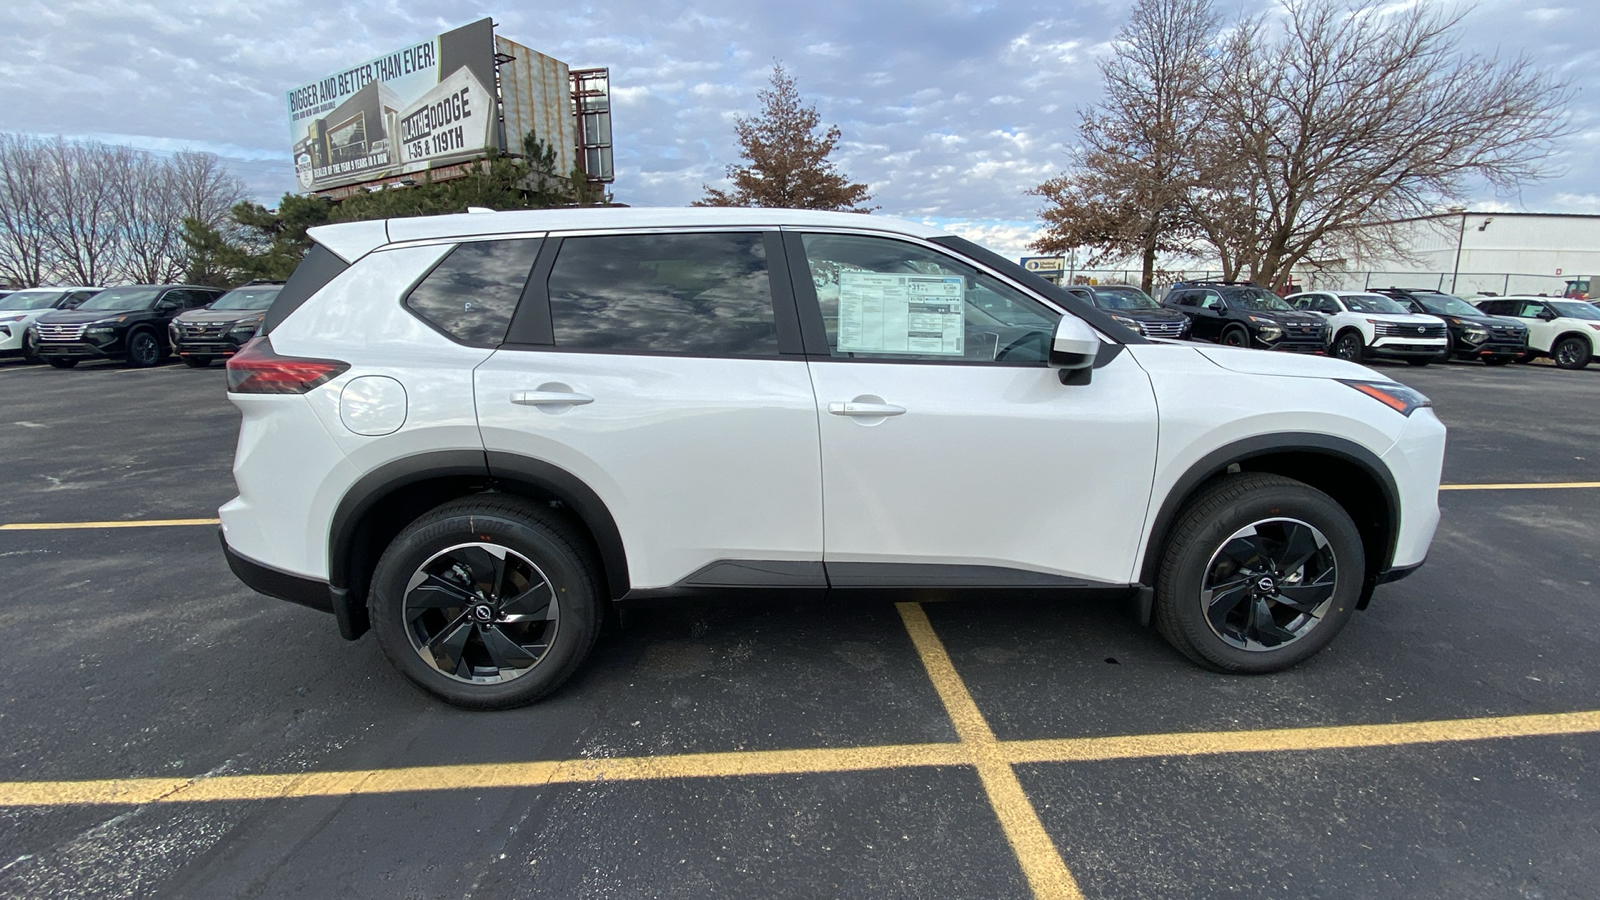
1572	352
487	602
144	350
197	362
1261	572
1350	346
61	362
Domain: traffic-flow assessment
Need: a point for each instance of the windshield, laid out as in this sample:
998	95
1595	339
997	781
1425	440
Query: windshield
1123	297
123	298
1371	303
1446	305
1257	298
1576	309
32	299
259	297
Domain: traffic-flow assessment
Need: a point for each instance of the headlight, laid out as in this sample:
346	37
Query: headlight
99	329
12	319
1126	322
1270	332
1474	334
1392	394
248	326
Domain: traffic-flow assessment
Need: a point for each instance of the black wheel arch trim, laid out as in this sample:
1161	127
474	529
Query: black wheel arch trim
276	583
1218	461
577	496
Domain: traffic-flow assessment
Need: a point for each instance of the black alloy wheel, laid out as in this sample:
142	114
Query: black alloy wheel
1349	346
61	362
144	350
488	602
1260	573
1236	337
1572	353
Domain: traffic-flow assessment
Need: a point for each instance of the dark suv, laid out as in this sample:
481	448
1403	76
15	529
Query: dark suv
1474	334
1135	309
1244	315
218	331
126	323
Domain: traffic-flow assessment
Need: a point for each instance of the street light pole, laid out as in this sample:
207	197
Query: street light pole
1461	237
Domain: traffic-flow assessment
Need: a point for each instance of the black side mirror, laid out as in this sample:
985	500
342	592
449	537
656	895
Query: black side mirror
1546	315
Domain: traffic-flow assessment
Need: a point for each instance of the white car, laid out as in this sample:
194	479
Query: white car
1567	331
19	309
478	432
1365	326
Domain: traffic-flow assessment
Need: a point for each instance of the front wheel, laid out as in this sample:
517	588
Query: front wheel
1261	572
144	350
1349	346
1236	337
487	602
1572	353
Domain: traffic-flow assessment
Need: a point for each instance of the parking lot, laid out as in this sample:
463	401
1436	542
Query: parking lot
167	732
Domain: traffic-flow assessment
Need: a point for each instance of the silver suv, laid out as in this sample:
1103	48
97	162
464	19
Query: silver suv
476	433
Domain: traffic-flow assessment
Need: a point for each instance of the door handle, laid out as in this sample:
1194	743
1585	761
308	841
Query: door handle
550	398
860	410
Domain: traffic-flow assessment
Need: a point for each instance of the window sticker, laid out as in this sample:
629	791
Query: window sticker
901	313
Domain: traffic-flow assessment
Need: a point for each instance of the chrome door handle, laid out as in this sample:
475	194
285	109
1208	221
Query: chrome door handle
549	398
865	410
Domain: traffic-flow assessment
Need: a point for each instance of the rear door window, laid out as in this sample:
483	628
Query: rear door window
472	293
683	294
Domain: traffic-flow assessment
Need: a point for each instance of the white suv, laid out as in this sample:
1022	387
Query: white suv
1365	326
1567	331
479	432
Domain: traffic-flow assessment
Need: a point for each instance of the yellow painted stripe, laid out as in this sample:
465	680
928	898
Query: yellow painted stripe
1522	486
1335	737
1046	872
124	523
138	791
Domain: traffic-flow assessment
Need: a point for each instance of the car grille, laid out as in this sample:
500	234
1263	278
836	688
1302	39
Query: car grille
1508	333
1163	329
1395	329
1303	330
48	332
204	331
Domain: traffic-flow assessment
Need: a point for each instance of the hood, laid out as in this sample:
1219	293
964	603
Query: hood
1146	315
1402	318
21	316
1257	362
82	316
216	316
1485	319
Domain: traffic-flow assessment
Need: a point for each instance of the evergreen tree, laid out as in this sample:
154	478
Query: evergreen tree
788	163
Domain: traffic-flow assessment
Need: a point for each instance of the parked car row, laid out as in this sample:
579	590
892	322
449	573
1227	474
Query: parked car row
1416	325
140	325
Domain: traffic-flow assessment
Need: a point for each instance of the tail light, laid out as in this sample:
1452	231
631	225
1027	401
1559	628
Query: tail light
257	369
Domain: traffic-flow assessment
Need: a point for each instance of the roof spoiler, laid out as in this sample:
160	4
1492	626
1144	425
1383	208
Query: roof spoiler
351	240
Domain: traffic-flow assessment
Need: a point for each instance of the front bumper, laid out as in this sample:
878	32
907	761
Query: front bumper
213	347
83	349
1317	345
1403	348
1508	349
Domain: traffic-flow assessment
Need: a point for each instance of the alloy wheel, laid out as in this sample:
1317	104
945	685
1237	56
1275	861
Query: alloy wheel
480	613
144	349
1269	584
1569	354
1348	348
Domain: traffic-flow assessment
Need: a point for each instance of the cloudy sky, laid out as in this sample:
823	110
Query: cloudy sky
951	109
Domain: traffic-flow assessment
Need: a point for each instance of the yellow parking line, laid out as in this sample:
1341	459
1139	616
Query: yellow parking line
1522	486
1046	872
123	523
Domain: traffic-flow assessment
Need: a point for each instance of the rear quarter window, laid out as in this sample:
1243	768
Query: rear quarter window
319	267
473	292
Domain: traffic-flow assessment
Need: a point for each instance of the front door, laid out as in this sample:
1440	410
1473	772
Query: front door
951	454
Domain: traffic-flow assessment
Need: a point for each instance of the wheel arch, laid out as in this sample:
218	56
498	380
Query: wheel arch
383	502
1592	337
1349	473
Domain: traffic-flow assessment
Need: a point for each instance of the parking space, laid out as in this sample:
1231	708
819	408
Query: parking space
168	732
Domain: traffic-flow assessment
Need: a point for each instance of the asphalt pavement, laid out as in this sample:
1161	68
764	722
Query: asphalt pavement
134	658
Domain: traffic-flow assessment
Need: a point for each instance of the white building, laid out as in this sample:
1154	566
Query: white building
1470	253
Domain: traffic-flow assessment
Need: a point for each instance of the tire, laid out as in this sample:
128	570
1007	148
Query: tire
59	362
1349	346
483	659
1235	337
1287	515
197	362
1496	360
1419	363
144	350
1572	352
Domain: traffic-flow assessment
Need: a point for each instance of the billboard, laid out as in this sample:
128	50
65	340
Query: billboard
427	105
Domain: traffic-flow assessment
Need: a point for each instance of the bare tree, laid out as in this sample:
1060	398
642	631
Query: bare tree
152	200
1359	112
83	234
24	187
788	163
1134	165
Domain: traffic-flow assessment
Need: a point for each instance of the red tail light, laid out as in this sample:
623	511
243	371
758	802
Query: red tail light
256	369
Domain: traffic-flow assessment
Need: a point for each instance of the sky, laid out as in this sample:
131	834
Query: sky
950	111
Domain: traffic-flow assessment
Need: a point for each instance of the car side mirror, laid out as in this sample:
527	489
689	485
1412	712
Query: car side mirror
1073	350
168	306
1546	315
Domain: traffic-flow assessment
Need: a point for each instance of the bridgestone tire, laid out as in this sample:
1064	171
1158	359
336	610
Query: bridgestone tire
534	532
1201	529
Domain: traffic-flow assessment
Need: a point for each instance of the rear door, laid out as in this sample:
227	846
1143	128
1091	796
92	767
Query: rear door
952	455
665	372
